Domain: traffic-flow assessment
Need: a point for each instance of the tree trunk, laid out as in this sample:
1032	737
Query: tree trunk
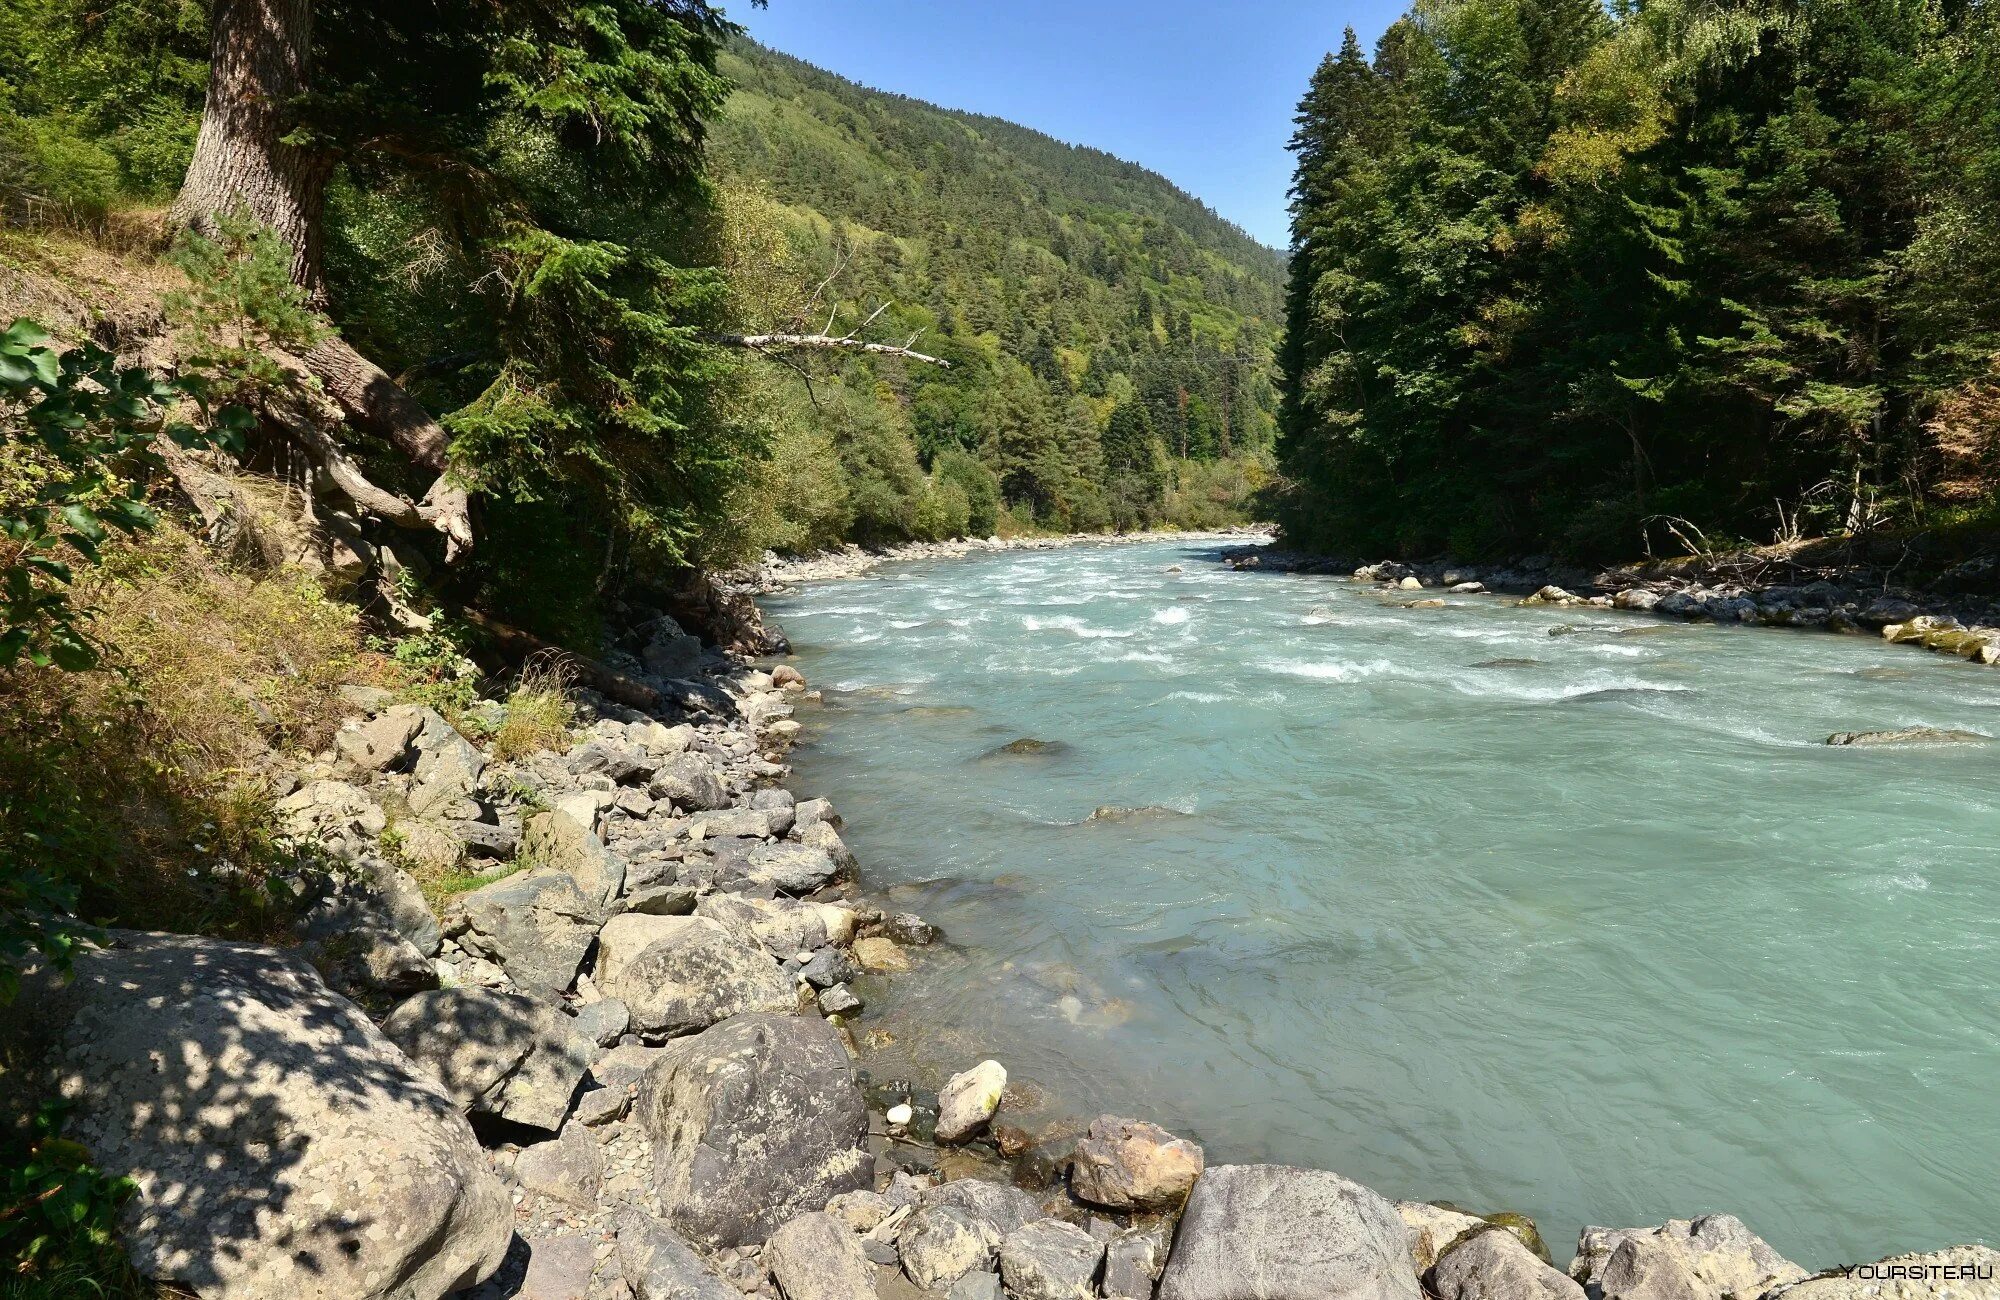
261	62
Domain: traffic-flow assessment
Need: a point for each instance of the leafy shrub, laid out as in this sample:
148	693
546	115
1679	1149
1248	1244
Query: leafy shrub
58	1211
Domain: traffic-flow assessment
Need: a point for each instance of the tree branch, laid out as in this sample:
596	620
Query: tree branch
821	342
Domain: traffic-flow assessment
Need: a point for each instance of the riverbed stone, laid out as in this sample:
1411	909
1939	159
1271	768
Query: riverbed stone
694	975
378	744
563	841
1434	1229
569	1169
658	1265
977	1285
1716	1255
941	1243
1005	1208
282	1145
968	1100
1954	1273
1274	1232
815	1257
787	867
537	926
1050	1260
753	1122
604	1021
1133	1260
879	953
501	1054
1907	736
1129	1164
689	780
1494	1265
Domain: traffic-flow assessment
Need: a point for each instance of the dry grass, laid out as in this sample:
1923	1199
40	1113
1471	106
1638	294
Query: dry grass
143	783
539	711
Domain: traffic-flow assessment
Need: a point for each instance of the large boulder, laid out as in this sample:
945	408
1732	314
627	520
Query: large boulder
1128	1164
693	973
341	818
657	1265
1712	1257
1050	1260
559	841
1434	1229
537	925
1005	1208
1273	1232
282	1145
447	770
500	1054
690	781
1954	1273
785	867
815	1257
941	1243
364	747
753	1123
1494	1265
1133	1260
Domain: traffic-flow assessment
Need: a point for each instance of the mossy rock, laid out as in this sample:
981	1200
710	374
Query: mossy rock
1523	1227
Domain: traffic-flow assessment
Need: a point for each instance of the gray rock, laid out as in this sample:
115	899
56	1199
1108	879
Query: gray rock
568	1169
557	841
659	1266
812	811
827	840
784	926
695	975
879	1252
752	1123
788	868
1887	609
977	1285
1907	736
1133	1260
731	823
1638	598
289	1149
333	813
621	763
839	1001
497	840
815	1257
501	1054
601	1106
828	967
604	1022
860	1211
559	1268
377	745
940	1244
780	804
909	929
689	780
661	900
1718	1253
1050	1260
370	959
670	652
1494	1265
1954	1273
448	767
1005	1208
1434	1230
1273	1232
968	1100
537	925
371	700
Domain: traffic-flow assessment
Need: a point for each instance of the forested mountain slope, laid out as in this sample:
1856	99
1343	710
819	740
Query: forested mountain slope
1110	337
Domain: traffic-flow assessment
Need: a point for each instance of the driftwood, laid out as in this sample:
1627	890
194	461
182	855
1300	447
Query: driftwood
518	647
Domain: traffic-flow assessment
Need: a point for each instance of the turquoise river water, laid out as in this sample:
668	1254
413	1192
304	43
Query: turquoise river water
1590	926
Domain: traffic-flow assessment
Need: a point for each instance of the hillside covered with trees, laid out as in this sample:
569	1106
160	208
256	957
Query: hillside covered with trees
1604	280
1110	338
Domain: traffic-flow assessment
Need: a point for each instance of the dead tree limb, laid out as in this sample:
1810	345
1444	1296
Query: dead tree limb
518	647
377	403
822	342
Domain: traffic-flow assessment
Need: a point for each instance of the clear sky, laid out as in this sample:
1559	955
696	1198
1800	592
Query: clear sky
1202	93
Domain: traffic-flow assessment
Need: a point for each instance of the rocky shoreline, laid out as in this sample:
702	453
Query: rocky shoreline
1844	601
615	1061
775	573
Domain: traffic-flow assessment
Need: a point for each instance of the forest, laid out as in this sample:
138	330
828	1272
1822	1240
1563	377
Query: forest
1650	278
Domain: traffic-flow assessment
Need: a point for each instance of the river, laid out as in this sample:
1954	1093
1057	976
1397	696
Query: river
1586	924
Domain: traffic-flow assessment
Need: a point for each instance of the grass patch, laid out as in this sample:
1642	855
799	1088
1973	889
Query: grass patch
145	785
539	712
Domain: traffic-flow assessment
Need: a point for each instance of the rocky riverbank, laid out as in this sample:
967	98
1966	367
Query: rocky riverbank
1861	601
778	572
578	1026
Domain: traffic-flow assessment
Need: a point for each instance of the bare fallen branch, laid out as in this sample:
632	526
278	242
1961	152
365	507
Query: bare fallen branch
822	342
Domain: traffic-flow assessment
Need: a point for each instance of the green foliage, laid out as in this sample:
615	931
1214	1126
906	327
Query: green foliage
1059	282
435	668
1560	277
57	1210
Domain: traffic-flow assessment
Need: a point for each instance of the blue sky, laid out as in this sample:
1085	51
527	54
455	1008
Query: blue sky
1201	92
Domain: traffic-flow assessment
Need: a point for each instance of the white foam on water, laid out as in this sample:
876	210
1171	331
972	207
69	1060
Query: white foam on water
1170	617
1337	670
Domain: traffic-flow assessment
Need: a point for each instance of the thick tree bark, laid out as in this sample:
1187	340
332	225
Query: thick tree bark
378	403
261	61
